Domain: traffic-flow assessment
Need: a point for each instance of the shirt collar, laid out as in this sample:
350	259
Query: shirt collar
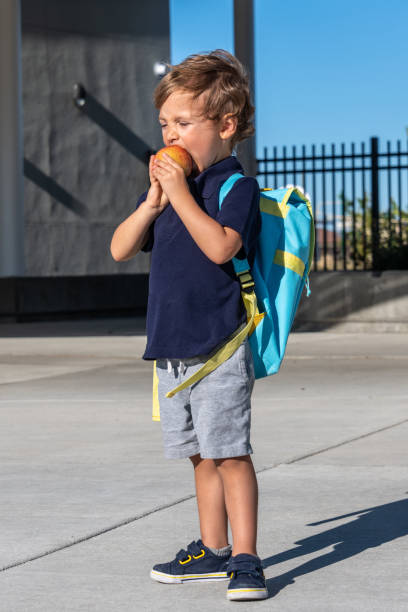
210	178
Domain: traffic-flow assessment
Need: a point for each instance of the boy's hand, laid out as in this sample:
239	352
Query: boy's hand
171	177
156	198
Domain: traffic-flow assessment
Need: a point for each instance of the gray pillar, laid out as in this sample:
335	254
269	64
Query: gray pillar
11	142
244	51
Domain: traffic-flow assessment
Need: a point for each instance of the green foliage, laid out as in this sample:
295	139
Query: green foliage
392	249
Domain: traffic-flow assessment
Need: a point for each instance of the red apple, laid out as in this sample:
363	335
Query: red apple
180	155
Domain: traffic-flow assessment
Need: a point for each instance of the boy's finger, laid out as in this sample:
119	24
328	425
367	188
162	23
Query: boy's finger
158	164
151	161
156	172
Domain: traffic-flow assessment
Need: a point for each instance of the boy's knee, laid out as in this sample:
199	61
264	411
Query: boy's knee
229	462
205	464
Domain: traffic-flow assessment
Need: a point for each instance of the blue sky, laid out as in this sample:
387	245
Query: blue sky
326	71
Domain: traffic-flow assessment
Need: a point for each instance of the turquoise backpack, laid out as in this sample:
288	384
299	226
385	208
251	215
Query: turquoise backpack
281	269
271	290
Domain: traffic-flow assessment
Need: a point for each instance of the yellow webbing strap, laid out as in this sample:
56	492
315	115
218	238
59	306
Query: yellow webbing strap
225	351
288	260
156	405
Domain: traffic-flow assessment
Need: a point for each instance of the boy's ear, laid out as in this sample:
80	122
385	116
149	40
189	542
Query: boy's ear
228	127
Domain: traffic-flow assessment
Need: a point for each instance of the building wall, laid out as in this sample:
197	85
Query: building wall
343	301
84	169
355	301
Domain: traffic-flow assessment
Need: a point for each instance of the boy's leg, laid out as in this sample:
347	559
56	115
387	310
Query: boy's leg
247	578
210	502
241	499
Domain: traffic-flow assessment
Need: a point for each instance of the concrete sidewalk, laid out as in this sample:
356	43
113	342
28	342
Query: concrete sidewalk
88	503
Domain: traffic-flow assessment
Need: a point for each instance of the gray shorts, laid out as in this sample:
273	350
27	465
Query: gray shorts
213	416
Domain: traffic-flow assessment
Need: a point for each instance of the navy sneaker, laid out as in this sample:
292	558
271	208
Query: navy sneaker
196	564
247	578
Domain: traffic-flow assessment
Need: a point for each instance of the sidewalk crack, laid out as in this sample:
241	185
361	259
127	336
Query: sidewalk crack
96	533
327	448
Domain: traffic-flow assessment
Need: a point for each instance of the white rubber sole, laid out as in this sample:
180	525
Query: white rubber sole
171	579
246	594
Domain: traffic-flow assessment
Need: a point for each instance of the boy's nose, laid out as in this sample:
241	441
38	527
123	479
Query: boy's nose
172	136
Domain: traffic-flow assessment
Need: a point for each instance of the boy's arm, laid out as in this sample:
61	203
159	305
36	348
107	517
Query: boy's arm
132	234
219	243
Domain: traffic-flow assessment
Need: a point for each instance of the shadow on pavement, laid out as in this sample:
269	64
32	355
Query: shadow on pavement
374	527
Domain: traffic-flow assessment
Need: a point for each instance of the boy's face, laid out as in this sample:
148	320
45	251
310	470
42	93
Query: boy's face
183	123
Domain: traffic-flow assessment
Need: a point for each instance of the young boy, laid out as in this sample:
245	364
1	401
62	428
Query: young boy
195	305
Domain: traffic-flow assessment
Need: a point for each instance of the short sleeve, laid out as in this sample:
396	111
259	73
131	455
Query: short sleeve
240	211
150	241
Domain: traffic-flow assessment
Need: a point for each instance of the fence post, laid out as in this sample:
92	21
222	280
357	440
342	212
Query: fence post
374	202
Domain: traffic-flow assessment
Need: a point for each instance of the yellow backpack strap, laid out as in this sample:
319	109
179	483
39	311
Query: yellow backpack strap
228	349
156	405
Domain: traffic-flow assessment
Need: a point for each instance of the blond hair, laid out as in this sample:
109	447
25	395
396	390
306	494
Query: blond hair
222	78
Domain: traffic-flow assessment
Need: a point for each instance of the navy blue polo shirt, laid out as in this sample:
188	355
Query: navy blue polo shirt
195	304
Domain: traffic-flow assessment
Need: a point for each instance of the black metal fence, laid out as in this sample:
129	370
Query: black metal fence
359	199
